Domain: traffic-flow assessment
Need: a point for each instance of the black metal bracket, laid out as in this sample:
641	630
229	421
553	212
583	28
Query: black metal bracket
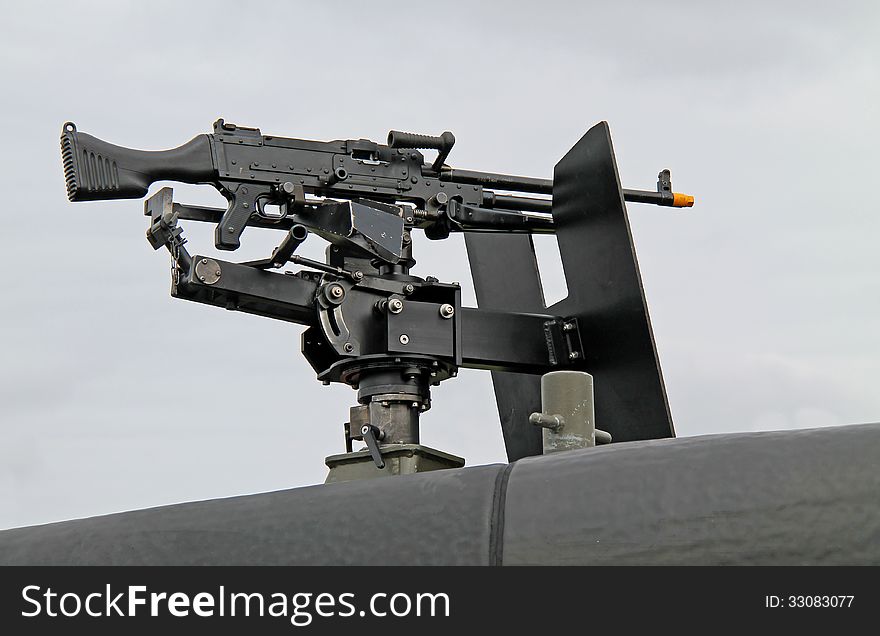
563	338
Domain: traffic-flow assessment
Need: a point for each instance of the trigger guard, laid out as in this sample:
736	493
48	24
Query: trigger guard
259	204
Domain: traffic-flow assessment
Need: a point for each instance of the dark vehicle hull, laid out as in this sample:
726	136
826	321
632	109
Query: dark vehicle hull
795	497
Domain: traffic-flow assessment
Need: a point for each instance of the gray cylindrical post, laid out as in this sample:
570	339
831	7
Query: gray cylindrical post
568	395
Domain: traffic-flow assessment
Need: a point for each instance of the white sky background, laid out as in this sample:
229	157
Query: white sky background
765	298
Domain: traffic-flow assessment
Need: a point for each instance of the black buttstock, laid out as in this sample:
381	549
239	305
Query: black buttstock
96	170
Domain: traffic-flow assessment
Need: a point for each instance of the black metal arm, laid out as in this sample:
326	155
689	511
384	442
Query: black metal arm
418	326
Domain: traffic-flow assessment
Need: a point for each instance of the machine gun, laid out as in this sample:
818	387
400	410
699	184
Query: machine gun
377	327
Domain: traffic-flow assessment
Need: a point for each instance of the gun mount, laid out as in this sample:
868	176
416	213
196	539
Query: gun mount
373	324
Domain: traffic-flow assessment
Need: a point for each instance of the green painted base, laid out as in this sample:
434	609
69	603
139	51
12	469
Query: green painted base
400	459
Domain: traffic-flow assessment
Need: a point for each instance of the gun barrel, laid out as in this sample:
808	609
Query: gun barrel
500	181
545	186
669	199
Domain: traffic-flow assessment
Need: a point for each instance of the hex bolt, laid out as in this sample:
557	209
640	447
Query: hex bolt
569	326
395	306
408	289
358	275
404	339
204	261
574	355
447	311
336	291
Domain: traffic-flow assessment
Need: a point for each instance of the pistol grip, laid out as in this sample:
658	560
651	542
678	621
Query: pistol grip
244	200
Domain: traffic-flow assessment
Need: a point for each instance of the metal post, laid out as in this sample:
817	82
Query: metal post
568	416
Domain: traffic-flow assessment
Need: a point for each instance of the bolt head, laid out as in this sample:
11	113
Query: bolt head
336	291
447	311
348	347
395	305
404	339
408	289
574	355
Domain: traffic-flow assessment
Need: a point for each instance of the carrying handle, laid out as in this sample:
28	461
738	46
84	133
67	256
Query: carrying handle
442	144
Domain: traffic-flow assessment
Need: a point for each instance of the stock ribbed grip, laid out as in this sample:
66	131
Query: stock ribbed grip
96	170
397	139
68	160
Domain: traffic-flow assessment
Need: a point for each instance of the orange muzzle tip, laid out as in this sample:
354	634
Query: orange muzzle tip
682	200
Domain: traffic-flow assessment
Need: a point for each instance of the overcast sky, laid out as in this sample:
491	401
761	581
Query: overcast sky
765	297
